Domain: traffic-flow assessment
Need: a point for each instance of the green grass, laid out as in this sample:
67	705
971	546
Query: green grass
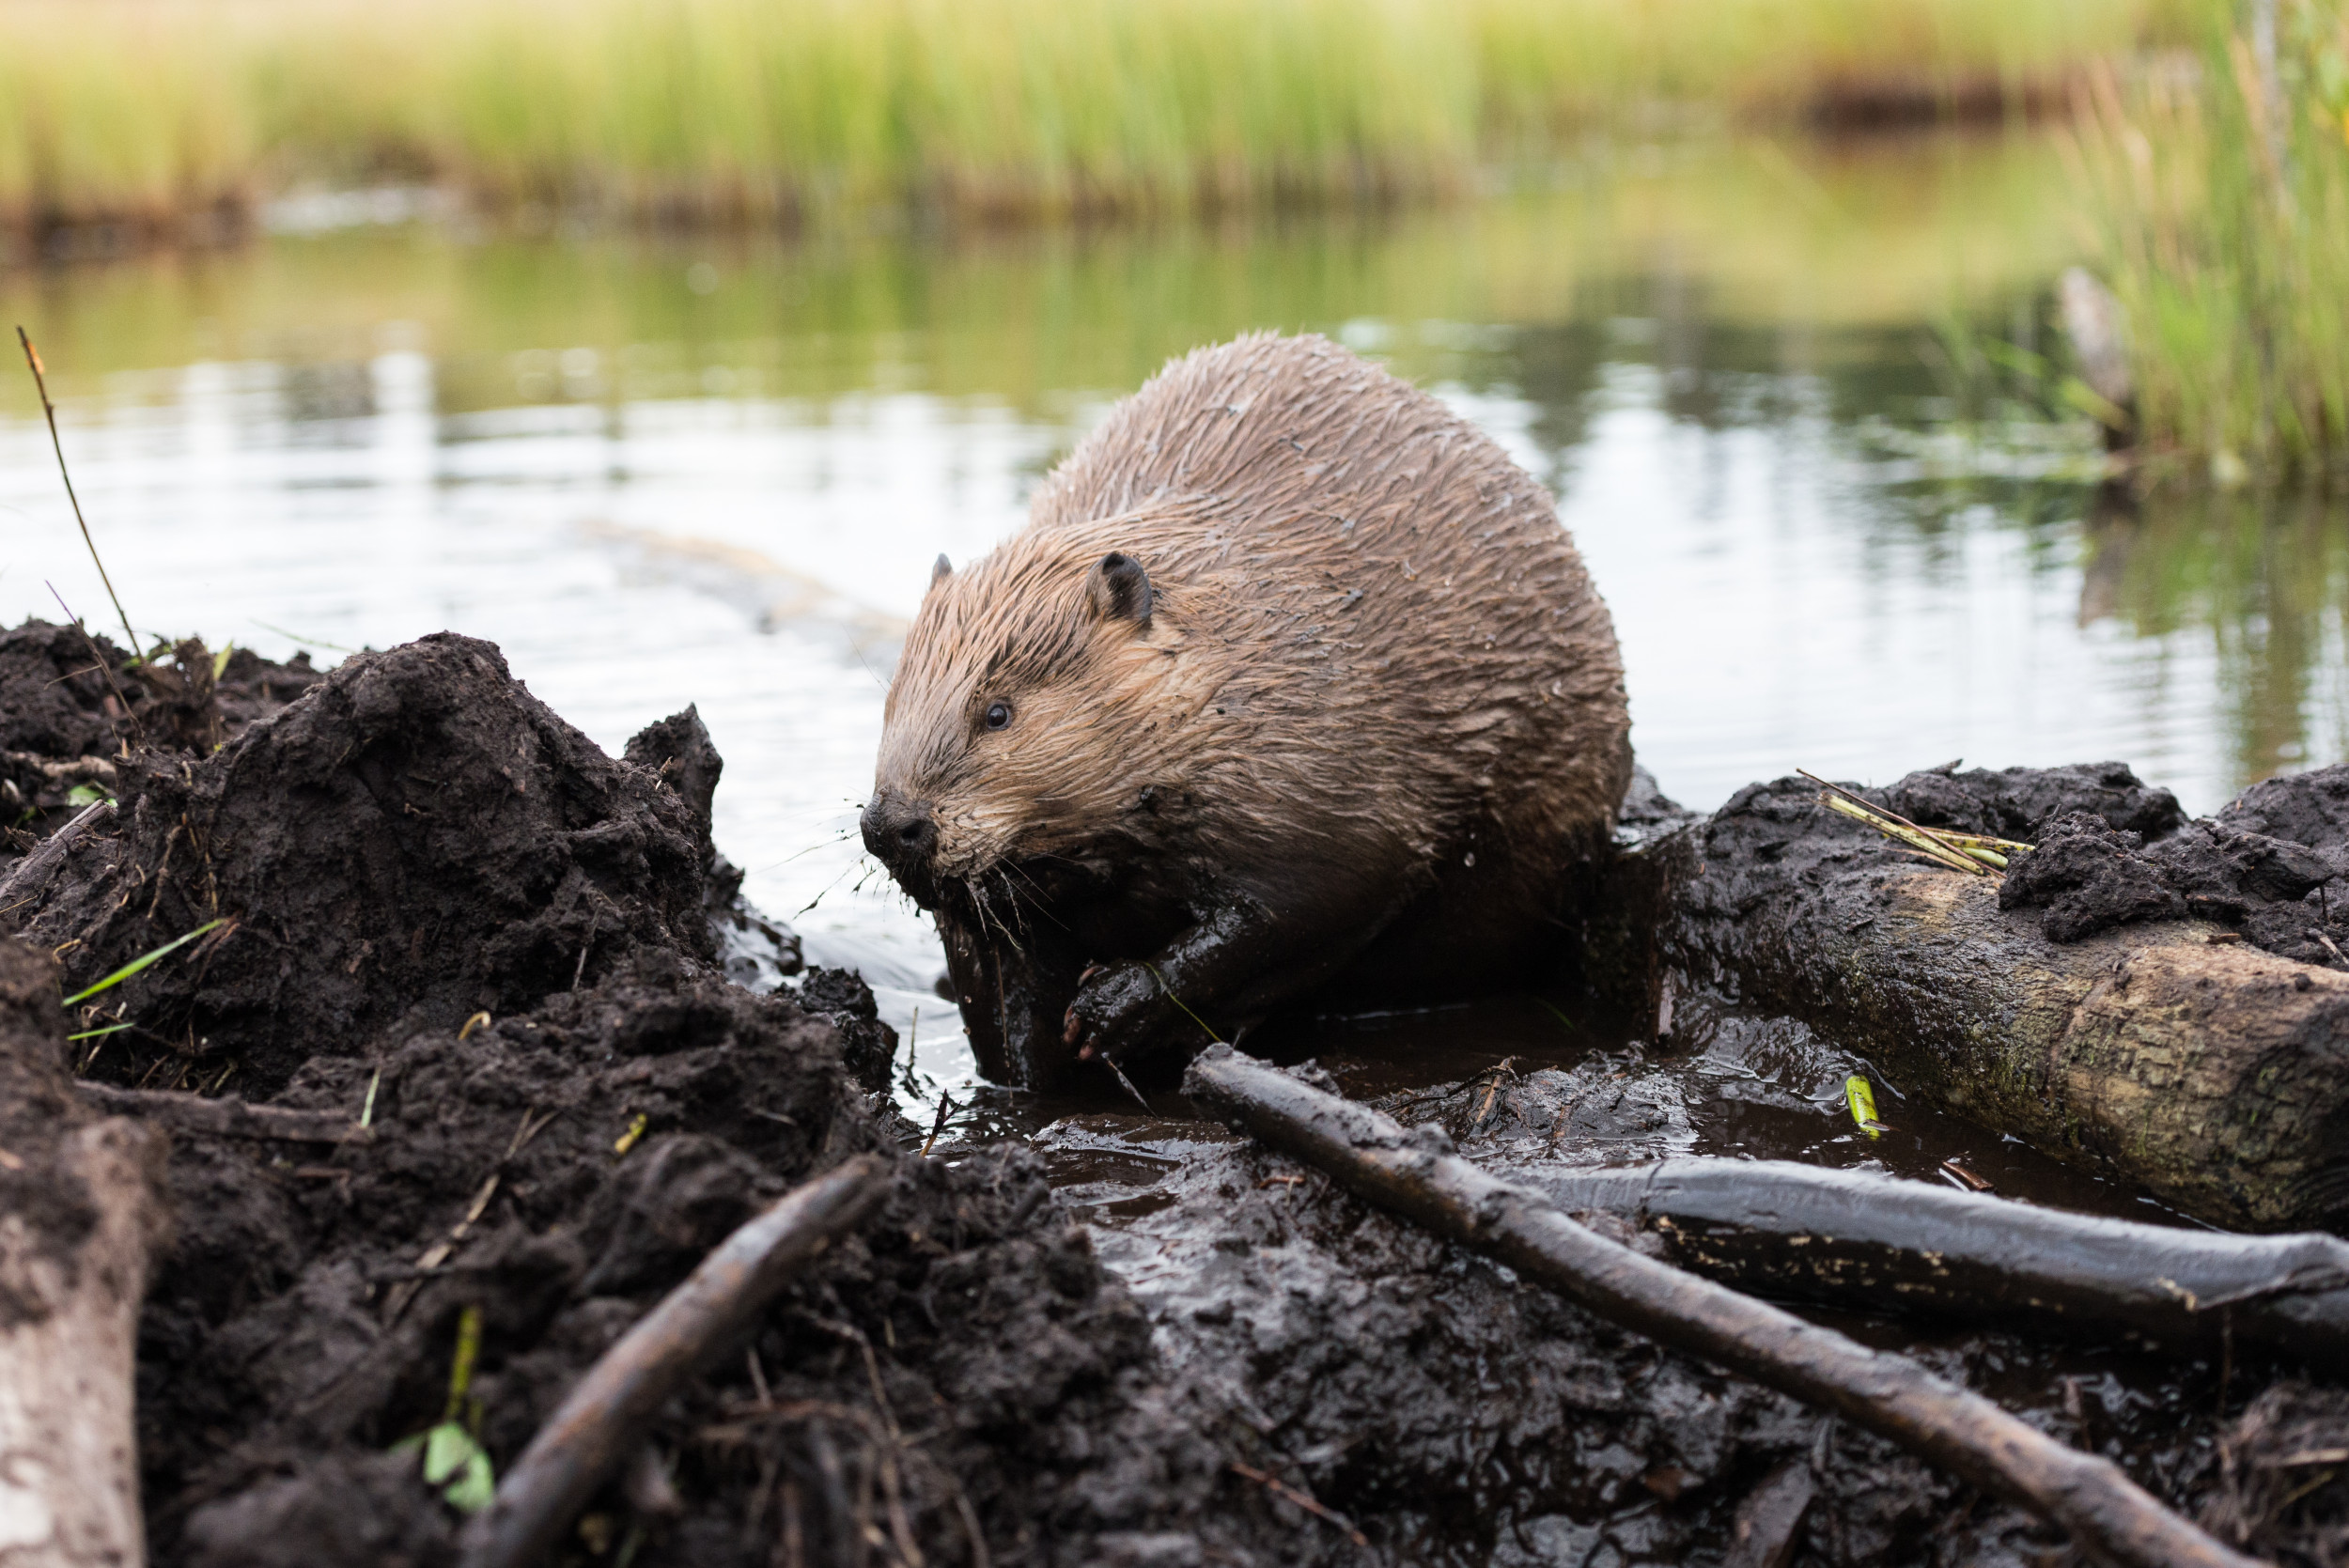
2225	232
145	110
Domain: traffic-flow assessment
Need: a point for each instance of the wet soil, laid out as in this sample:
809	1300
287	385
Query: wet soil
1124	1339
71	703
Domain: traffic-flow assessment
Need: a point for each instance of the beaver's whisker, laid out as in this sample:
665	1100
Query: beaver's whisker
821	843
836	882
987	916
980	913
1040	904
986	913
1011	896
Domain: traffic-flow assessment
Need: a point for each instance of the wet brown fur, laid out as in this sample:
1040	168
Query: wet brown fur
1374	696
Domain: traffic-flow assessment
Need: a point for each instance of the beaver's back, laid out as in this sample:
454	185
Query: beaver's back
1409	624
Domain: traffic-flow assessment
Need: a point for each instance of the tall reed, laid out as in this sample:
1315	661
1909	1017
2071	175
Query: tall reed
2223	201
144	110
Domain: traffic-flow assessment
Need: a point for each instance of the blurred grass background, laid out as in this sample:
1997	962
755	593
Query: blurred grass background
1757	232
2213	169
157	112
2221	198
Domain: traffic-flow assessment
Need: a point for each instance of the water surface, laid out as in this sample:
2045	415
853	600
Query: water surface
689	471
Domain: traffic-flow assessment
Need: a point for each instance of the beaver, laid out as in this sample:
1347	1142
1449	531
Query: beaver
1292	683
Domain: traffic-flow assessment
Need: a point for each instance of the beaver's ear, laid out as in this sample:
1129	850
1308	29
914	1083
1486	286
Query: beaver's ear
941	570
1120	590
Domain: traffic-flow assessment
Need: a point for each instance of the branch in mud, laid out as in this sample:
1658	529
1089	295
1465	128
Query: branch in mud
1417	1175
67	770
225	1118
600	1425
1847	1238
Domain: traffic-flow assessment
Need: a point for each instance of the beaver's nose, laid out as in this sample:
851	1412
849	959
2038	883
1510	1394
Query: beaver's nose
900	834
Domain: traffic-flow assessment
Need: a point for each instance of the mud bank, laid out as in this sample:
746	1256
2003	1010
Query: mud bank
980	1376
963	1368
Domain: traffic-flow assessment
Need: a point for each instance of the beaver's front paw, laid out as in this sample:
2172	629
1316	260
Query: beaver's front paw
1122	1012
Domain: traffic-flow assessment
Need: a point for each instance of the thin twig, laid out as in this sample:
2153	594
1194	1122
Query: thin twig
230	1118
41	385
945	1104
1304	1501
103	667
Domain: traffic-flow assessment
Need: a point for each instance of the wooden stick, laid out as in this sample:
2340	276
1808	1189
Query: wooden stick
223	1118
1853	1239
600	1425
1417	1175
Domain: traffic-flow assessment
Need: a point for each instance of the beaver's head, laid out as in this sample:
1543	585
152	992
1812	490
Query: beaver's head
1032	709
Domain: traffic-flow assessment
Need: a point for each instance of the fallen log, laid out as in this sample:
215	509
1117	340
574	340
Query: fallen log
183	1113
2171	1055
1416	1175
1853	1239
602	1421
82	1209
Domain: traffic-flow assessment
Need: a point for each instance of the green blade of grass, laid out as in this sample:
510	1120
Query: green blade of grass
127	970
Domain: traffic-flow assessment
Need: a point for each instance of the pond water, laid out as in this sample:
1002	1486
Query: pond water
683	470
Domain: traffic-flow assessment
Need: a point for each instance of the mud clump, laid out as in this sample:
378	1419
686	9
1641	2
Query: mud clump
2087	878
2109	849
2013	802
418	839
69	704
2271	865
308	1320
1772	842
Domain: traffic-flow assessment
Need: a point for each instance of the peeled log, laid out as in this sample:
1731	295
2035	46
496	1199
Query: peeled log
2214	1075
81	1209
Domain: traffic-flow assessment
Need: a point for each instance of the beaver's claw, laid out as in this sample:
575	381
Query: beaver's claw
1123	1012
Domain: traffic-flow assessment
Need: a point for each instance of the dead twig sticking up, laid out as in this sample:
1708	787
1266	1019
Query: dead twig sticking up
1417	1175
41	385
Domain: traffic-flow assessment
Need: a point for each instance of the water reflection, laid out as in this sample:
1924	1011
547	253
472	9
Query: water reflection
663	473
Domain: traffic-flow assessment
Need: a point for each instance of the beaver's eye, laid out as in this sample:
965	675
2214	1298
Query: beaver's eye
997	716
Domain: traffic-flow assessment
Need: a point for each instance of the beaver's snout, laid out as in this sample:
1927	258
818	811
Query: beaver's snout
903	835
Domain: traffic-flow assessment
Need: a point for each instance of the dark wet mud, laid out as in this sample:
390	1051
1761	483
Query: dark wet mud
1077	1333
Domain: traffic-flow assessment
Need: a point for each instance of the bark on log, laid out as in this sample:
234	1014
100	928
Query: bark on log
1851	1239
601	1422
2216	1076
82	1208
1416	1175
